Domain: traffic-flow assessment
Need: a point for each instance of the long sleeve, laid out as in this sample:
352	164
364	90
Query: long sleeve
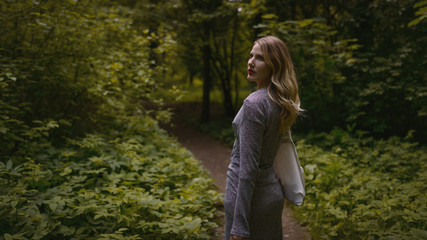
251	131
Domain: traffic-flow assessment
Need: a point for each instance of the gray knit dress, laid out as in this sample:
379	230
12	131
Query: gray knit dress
253	196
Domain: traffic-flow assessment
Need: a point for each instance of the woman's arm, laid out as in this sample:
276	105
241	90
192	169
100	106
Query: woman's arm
251	131
233	237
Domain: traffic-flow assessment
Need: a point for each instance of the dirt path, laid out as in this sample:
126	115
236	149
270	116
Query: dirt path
215	156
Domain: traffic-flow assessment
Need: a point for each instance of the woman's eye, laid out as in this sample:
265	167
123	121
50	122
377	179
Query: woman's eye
257	57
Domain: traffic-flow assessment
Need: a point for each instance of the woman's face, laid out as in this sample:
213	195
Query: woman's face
258	70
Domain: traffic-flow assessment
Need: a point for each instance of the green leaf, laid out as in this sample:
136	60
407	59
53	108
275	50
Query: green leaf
9	165
66	171
194	225
53	206
3	129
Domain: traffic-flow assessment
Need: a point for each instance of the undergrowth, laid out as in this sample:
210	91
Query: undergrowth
133	182
361	188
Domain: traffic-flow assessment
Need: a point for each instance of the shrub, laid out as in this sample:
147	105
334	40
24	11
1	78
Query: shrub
359	188
135	183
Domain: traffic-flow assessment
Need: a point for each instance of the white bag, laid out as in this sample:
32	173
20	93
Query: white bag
288	169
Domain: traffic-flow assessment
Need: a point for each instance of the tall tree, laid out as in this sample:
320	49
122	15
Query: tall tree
225	56
193	21
211	27
382	87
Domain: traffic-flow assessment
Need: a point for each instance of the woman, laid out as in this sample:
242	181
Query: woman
253	197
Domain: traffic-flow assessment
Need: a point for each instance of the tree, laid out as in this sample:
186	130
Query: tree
227	54
214	28
193	20
380	88
67	67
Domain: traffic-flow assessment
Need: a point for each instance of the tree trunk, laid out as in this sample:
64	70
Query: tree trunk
236	92
228	101
191	78
206	83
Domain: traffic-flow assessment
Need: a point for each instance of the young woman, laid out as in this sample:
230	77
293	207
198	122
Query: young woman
253	196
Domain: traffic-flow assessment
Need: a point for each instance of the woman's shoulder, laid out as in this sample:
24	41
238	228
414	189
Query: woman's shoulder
259	102
258	95
257	98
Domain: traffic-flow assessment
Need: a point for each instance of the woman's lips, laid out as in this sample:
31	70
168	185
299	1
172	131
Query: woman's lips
250	71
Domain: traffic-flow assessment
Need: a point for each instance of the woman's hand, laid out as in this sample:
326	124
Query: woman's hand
233	237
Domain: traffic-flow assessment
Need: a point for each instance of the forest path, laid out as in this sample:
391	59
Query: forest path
214	157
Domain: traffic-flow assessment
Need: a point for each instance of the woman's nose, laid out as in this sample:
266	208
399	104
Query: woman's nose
251	62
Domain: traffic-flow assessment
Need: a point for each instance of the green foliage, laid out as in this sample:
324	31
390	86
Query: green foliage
73	62
421	13
358	62
220	130
386	94
359	188
390	97
79	157
131	183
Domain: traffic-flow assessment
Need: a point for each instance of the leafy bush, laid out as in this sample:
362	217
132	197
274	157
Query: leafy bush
133	182
73	62
358	188
79	156
220	130
370	78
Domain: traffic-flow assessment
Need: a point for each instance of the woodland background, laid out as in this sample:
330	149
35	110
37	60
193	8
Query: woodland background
82	155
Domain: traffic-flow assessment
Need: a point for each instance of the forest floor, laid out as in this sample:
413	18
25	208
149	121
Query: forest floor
214	157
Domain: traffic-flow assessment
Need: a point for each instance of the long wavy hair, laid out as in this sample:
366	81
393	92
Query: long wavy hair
283	86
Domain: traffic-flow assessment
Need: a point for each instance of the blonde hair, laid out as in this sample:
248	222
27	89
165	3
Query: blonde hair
283	86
